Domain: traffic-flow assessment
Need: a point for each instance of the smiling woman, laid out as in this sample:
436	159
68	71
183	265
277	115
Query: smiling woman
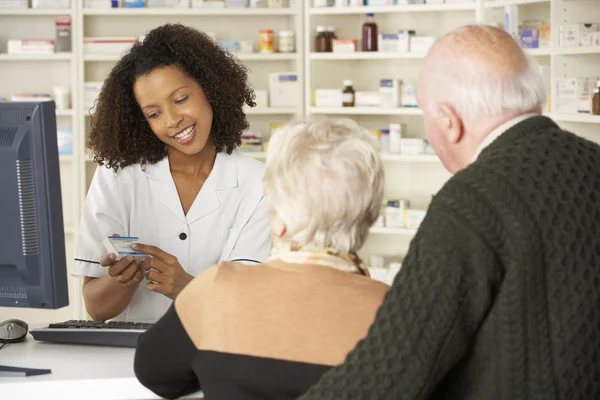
168	120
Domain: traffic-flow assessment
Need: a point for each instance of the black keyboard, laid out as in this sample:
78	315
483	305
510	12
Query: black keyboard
112	333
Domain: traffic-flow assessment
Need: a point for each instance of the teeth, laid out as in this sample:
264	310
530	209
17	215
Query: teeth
185	133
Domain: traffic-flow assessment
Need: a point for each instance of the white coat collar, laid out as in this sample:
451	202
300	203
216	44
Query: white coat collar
223	176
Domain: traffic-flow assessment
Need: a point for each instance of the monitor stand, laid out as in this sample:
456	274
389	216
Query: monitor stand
19	372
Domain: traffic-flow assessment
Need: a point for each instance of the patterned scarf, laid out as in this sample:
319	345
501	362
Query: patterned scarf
328	257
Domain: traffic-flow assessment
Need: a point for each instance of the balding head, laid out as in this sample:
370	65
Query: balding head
479	76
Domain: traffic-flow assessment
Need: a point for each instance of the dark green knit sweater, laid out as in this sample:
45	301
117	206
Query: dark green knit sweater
499	294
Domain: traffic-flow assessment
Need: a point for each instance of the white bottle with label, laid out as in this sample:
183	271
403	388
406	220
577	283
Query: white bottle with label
395	138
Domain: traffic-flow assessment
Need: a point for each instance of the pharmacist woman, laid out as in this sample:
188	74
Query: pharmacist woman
167	121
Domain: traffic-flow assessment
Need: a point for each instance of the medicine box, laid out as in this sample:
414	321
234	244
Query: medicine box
394	213
98	4
389	93
168	3
408	97
284	89
566	95
412	146
328	98
571	34
366	99
585	93
54	4
545	35
421	44
389	43
65	141
379	3
103	45
344	45
511	20
120	246
134	3
13	4
530	39
404	37
17	46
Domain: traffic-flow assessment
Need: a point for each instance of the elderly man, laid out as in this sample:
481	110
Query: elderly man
499	295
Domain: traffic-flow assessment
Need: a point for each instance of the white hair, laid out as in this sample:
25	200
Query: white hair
474	89
324	180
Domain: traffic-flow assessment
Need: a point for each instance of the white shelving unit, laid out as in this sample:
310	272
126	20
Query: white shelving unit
414	178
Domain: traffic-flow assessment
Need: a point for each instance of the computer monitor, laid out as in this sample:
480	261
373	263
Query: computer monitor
33	269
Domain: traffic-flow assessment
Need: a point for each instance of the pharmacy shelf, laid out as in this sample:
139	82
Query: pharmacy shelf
380	230
502	3
366	56
366	111
65	159
37	57
35	11
267	56
108	57
64	113
421	158
539	52
271	111
565	51
393	9
111	57
140	12
583	118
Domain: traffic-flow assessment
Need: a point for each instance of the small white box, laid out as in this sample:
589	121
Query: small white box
390	43
13	4
408	97
389	93
328	98
412	146
120	246
414	218
262	99
107	45
284	89
17	46
566	95
421	44
98	4
511	21
51	4
394	213
344	45
571	35
366	99
404	40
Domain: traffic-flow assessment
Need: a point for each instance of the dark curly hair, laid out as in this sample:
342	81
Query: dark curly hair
119	133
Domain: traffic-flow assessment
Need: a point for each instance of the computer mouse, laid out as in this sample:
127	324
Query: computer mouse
13	331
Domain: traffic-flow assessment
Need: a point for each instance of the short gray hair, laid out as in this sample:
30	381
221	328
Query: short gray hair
324	180
474	91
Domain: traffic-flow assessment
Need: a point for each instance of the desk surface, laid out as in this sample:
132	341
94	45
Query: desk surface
78	372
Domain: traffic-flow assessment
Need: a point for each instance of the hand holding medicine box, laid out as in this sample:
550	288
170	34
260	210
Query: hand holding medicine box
121	247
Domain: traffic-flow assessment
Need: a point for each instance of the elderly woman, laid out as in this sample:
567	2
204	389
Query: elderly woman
272	330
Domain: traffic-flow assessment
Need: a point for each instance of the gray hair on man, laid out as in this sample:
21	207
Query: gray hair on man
480	80
324	180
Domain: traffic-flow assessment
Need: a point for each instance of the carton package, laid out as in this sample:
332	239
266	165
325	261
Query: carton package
284	89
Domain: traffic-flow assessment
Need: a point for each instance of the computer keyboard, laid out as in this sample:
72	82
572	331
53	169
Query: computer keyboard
112	333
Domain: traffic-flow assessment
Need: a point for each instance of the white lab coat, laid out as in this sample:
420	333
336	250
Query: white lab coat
227	221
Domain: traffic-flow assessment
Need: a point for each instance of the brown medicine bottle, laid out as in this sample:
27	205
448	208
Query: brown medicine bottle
348	94
596	100
369	34
321	40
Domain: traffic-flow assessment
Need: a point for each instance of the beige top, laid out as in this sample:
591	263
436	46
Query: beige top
294	312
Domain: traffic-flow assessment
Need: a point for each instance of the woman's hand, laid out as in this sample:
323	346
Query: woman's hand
164	272
125	271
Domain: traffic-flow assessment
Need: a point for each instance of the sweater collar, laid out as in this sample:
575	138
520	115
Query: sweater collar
523	128
495	134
